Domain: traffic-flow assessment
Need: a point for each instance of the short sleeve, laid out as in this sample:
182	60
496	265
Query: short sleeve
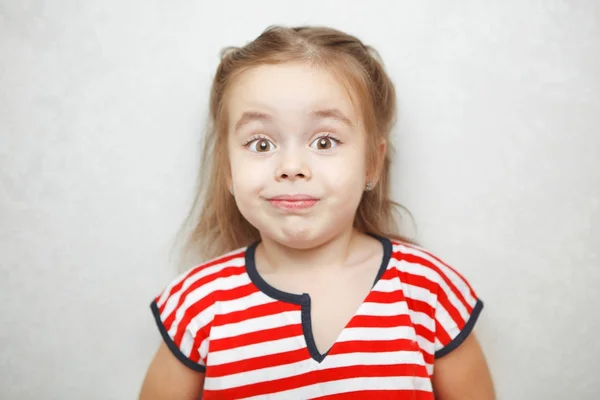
456	312
182	315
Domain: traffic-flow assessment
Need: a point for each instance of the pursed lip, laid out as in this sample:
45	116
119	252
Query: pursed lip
292	197
292	202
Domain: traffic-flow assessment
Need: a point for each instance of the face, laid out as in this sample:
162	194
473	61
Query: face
297	149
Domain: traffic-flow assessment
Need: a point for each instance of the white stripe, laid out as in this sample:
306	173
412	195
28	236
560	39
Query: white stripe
420	294
373	334
387	285
352	385
447	323
238	261
206	315
186	345
429	369
259	375
304	366
418	269
203	350
257	350
167	290
456	280
255	324
383	309
243	303
174	299
410	291
425	345
419	318
383	358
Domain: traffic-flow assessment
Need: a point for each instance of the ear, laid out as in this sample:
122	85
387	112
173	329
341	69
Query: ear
376	168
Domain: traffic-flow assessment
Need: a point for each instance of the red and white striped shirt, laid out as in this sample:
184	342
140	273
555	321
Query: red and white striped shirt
254	341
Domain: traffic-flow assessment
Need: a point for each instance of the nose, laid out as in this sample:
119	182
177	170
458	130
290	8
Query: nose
292	167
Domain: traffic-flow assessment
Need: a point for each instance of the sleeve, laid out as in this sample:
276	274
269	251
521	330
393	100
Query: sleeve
456	311
182	314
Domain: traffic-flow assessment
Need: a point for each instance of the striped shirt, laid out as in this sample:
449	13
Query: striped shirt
254	341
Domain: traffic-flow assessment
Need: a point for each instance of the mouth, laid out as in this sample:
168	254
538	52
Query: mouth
293	202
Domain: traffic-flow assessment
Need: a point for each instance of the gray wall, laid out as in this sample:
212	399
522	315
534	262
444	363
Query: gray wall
101	109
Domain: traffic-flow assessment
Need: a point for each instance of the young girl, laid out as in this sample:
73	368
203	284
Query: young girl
316	295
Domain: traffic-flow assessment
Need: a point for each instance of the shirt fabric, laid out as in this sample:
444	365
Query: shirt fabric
254	341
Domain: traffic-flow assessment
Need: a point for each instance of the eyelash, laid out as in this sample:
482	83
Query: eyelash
329	136
326	135
254	138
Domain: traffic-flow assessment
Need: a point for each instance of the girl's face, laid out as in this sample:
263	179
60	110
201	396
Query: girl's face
297	149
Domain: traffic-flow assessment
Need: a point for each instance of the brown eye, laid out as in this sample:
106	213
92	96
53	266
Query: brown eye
261	146
324	143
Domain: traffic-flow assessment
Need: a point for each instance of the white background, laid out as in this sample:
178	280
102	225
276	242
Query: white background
102	105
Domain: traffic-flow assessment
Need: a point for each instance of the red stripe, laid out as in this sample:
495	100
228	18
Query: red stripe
320	376
261	310
234	293
381	395
411	258
452	311
425	333
428	357
247	339
224	273
205	302
379	346
195	354
252	364
385	297
193	271
419	281
440	292
453	270
441	334
416	305
377	321
190	313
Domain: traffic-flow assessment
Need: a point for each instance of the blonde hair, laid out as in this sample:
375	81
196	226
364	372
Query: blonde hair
215	225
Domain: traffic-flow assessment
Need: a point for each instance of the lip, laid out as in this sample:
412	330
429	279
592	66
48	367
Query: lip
292	197
293	202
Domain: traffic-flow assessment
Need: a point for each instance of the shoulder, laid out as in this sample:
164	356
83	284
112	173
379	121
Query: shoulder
441	300
194	288
421	266
184	310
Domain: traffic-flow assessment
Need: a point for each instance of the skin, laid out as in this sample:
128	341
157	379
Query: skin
294	131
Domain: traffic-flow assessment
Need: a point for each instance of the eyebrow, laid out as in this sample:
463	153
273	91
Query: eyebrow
250	116
331	113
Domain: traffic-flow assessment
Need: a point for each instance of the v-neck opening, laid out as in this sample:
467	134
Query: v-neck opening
304	300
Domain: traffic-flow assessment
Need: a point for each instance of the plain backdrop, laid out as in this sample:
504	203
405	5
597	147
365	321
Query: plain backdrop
102	105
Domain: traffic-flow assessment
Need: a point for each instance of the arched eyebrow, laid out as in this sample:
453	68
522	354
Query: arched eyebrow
250	116
332	113
328	113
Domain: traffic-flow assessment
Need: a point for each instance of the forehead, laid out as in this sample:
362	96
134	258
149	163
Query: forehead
289	89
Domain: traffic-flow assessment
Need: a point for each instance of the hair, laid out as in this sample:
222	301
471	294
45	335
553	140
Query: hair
214	224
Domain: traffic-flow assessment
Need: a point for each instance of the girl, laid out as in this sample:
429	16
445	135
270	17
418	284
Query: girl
317	296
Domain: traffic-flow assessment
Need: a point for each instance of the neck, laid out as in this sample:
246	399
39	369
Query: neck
332	253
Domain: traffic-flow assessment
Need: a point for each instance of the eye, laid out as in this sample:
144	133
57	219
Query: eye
324	143
261	146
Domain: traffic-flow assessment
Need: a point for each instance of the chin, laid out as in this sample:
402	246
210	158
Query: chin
299	238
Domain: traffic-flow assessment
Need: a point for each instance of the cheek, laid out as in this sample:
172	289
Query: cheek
247	174
345	175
